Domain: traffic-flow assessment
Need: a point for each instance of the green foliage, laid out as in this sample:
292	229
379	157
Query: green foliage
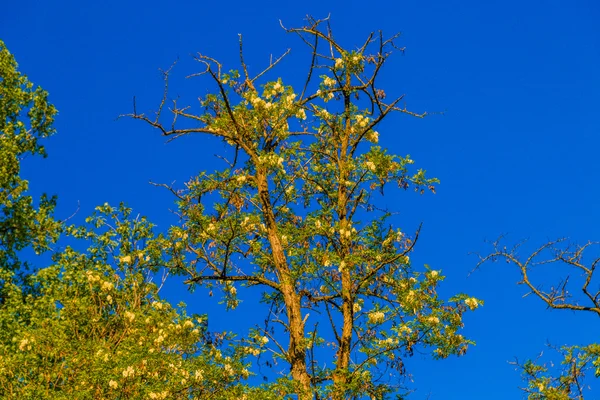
94	326
25	118
563	382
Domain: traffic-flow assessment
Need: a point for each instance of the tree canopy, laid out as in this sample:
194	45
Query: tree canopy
294	209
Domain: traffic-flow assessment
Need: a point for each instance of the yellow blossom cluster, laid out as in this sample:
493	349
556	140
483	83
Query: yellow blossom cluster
271	159
376	317
323	114
326	96
25	344
404	329
388	342
362	121
230	289
274	90
159	396
91	277
290	98
347	231
301	114
372	136
125	259
330	82
198	375
128	372
252	350
130	316
472	303
228	369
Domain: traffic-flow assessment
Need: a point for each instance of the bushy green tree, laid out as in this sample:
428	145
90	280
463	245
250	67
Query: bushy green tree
26	117
295	211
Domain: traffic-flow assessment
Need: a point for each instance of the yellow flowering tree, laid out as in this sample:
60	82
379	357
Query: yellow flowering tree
92	326
295	211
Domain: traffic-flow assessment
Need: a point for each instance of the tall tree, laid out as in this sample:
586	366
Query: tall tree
295	212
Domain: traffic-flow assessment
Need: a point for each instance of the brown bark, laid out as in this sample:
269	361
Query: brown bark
340	376
296	353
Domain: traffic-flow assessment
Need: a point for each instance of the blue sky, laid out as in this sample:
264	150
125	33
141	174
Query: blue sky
516	148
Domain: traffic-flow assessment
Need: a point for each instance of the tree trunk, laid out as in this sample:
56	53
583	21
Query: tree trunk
296	354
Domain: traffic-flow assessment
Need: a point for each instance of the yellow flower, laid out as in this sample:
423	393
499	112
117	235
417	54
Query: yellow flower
376	317
130	316
405	329
472	303
198	375
241	178
125	259
24	345
129	371
113	384
373	136
91	277
301	114
229	370
329	81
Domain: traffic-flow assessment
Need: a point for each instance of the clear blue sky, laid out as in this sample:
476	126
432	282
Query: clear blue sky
516	149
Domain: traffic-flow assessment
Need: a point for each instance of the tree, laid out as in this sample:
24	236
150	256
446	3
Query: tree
26	117
97	328
92	324
577	291
295	212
